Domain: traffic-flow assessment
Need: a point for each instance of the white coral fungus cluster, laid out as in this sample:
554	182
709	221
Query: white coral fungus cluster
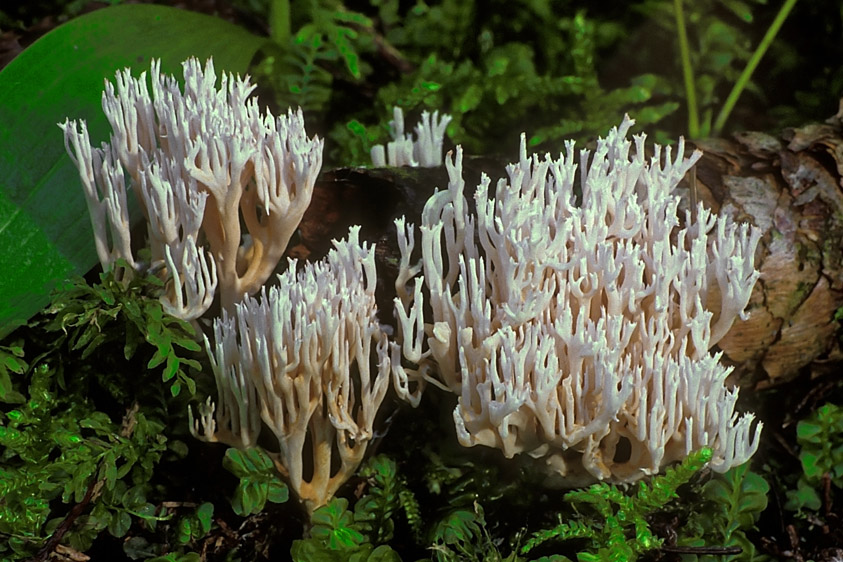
425	151
576	327
573	319
310	360
201	163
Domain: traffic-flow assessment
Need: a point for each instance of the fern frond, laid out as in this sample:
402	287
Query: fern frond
412	511
563	531
662	489
619	530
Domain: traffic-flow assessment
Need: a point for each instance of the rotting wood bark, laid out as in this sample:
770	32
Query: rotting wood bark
789	185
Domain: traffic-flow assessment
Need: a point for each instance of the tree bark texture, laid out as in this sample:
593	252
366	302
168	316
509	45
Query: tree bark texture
789	186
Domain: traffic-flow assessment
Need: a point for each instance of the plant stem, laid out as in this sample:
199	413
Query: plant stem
739	86
279	22
687	71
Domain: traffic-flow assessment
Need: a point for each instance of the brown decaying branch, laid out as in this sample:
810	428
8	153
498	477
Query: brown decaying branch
53	544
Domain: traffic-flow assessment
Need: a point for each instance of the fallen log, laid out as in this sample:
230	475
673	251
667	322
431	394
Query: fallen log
789	185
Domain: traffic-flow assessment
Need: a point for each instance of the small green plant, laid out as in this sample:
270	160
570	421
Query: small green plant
338	533
469	60
82	433
196	525
57	446
476	62
494	83
112	313
259	481
336	537
617	528
11	362
298	64
463	536
730	505
334	525
710	50
462	481
820	438
387	493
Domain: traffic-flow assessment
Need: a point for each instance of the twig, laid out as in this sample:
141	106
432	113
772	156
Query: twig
712	550
54	540
128	426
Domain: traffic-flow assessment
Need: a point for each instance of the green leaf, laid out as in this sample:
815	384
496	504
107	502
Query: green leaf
754	491
278	492
45	232
204	513
134	497
178	447
383	553
334	524
460	525
811	465
310	550
110	469
259	481
184	530
803	497
11	360
119	524
808	431
470	98
138	548
740	9
156	360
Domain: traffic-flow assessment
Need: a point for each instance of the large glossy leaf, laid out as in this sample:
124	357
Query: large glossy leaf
45	232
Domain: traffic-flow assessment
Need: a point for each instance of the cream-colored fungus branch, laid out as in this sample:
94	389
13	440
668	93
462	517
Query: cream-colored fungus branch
201	163
310	360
